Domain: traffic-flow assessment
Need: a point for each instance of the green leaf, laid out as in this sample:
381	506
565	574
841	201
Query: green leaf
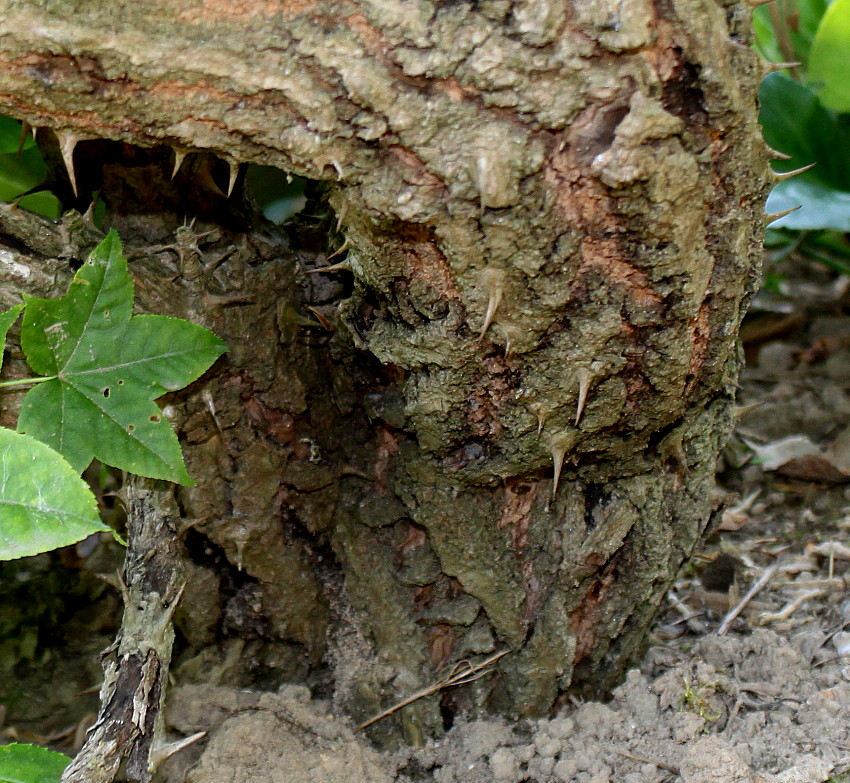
6	321
44	202
20	173
44	504
794	122
830	57
108	368
10	135
31	764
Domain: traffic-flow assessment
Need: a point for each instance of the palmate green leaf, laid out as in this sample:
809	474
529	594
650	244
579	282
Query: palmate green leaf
44	504
6	321
31	764
109	367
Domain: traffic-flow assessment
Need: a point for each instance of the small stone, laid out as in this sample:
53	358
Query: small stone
565	770
503	765
712	760
808	769
547	746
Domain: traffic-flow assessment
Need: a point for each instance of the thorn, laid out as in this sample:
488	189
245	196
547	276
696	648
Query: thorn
342	213
540	412
783	175
166	751
88	215
342	266
757	3
179	157
584	379
234	173
341	249
769	67
212	301
25	131
742	410
558	453
205	180
494	280
339	172
776	154
321	318
67	143
768	219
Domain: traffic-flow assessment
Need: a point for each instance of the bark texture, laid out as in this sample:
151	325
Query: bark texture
553	214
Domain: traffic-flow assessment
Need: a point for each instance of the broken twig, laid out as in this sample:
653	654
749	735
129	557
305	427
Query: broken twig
462	673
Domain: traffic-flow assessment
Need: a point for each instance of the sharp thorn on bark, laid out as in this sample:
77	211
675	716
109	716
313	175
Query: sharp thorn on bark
205	180
584	379
768	219
212	301
67	144
25	131
88	215
341	249
783	175
776	154
494	299
769	67
339	172
539	411
742	410
342	266
234	173
166	751
321	318
342	213
558	453
179	157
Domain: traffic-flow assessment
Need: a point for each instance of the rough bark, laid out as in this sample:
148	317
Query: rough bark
552	212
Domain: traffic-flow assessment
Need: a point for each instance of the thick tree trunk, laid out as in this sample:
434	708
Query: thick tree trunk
553	214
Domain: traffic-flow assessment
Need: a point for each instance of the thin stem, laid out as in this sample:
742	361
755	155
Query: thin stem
26	381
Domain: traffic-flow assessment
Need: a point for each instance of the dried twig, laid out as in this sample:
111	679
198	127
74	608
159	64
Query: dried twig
792	606
751	593
462	673
645	760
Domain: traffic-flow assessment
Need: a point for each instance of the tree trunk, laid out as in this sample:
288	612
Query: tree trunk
552	213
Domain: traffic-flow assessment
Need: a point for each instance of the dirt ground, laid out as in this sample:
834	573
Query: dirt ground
748	674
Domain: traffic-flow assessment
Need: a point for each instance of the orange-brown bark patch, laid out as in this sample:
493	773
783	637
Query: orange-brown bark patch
700	330
588	615
485	403
605	256
441	644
